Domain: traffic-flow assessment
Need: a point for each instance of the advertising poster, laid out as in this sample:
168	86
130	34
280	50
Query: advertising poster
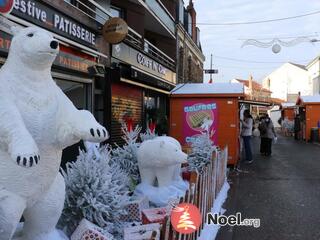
199	117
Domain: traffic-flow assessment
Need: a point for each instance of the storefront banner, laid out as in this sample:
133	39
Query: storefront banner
44	16
199	117
6	24
138	59
64	59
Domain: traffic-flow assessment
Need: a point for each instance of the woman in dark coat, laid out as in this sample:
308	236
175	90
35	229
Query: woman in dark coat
267	134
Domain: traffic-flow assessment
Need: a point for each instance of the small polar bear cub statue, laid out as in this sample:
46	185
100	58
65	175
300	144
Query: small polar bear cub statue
160	159
37	122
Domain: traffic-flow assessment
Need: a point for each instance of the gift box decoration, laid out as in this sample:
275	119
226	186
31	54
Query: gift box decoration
89	231
143	232
154	215
134	209
186	175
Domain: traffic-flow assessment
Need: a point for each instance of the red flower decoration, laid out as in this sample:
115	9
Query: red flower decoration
129	122
152	127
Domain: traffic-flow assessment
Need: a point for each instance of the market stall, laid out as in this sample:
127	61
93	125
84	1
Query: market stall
309	116
211	108
288	115
288	110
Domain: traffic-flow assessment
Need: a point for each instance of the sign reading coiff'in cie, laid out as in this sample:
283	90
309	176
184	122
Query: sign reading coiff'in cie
115	30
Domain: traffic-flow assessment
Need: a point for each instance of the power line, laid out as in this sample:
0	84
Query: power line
288	37
249	61
261	21
241	67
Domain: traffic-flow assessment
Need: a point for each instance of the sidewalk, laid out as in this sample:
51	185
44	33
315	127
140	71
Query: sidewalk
282	190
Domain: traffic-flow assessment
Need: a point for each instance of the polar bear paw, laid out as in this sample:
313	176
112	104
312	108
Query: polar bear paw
97	134
28	160
26	156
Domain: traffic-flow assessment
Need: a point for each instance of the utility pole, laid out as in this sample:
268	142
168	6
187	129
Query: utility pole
211	68
211	71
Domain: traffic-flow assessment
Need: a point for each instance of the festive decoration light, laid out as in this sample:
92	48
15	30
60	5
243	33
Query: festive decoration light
276	43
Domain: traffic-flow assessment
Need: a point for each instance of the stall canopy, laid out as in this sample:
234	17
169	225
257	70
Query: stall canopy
209	89
287	105
302	100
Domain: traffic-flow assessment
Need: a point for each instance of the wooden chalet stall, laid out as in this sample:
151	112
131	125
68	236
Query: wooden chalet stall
197	107
309	113
288	110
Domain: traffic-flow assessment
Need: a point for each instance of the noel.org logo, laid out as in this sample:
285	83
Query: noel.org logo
186	218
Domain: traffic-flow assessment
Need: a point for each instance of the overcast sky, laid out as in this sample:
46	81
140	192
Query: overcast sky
223	41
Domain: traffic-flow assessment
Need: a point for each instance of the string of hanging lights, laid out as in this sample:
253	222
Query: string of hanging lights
277	43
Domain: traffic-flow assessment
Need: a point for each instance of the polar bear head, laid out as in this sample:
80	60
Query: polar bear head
160	153
169	139
33	47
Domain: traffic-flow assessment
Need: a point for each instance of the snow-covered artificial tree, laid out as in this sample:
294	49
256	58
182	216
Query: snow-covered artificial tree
125	157
201	152
95	190
148	135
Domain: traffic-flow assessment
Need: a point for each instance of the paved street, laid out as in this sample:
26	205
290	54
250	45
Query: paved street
283	191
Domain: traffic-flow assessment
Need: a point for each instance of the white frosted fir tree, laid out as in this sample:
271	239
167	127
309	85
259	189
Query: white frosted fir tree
201	152
125	157
95	191
148	135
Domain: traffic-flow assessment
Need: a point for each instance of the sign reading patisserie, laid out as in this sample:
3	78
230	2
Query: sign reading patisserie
46	17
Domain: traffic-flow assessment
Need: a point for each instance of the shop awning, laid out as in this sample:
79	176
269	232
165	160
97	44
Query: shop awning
144	86
255	103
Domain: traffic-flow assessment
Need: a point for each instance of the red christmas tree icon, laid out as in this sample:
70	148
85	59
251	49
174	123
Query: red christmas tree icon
186	218
185	221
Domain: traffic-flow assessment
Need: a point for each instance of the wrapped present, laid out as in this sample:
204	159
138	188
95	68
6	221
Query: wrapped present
89	231
186	175
134	209
143	232
154	215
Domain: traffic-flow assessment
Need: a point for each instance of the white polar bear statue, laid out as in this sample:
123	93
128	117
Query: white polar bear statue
177	172
160	159
37	122
157	159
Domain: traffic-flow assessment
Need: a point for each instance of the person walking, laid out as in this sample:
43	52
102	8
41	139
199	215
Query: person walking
246	133
267	134
297	127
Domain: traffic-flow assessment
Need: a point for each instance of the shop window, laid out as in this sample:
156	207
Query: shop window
102	14
116	12
181	11
190	24
77	92
155	105
80	95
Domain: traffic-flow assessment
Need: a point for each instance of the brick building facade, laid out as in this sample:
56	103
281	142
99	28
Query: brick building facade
190	58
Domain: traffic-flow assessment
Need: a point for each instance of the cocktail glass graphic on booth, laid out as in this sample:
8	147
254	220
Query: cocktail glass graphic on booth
199	118
186	218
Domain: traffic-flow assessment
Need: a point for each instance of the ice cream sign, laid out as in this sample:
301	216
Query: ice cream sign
199	118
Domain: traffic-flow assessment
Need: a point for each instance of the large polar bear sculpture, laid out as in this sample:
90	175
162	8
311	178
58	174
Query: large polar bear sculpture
37	121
